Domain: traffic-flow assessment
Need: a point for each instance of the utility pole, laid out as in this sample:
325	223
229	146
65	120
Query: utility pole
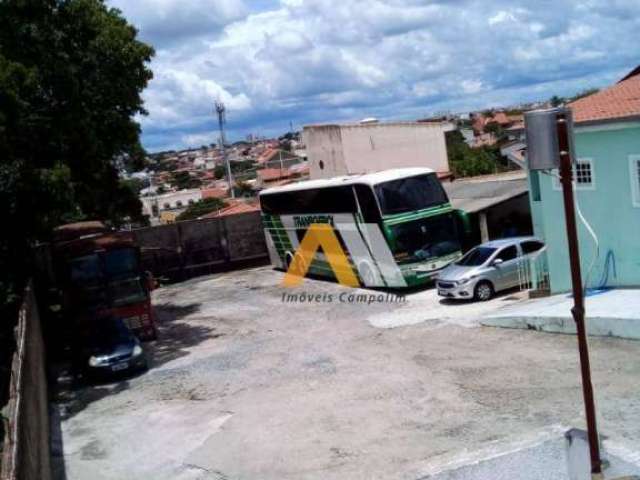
550	146
566	178
220	110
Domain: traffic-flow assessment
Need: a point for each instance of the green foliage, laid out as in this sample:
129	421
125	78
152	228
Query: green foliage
242	166
219	171
183	180
495	128
243	189
71	74
556	101
200	208
134	184
465	161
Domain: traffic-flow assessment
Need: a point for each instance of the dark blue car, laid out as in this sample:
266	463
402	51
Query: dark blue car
110	347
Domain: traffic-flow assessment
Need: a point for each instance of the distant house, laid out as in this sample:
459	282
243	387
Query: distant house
168	205
607	173
272	156
480	121
215	192
268	176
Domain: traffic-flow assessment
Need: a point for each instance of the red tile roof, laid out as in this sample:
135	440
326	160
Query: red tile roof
267	155
501	118
234	208
617	102
214	192
268	174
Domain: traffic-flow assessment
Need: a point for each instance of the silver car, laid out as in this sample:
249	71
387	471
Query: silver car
486	269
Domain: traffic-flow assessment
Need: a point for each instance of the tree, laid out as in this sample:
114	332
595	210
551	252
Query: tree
465	161
495	128
244	189
184	180
556	101
201	207
219	171
71	75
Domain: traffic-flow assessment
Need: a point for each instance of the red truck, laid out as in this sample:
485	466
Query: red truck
98	271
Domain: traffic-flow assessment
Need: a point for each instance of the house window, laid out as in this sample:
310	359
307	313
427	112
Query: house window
583	175
166	206
634	175
178	203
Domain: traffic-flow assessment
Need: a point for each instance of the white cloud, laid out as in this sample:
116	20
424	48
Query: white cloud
471	86
501	17
319	60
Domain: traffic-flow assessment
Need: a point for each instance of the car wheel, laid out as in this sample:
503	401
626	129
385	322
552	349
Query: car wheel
483	291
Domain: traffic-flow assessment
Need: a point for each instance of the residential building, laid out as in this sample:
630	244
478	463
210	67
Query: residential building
269	176
177	201
335	150
607	174
215	192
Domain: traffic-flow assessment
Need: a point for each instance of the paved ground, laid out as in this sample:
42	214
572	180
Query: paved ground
245	386
614	313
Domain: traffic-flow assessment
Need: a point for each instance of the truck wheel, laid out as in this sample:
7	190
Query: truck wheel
483	291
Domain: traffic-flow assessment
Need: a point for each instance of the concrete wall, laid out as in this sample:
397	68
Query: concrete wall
187	249
324	151
608	207
353	149
26	454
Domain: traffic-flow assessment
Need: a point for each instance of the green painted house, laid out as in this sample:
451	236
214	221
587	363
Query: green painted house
607	173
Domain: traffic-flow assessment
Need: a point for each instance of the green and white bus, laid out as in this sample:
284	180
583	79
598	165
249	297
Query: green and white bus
396	226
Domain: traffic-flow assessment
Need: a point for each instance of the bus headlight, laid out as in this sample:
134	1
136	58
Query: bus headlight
98	360
137	351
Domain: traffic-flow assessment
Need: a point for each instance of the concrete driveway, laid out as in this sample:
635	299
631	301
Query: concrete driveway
246	386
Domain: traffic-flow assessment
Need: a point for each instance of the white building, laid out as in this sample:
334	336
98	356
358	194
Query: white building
335	150
155	204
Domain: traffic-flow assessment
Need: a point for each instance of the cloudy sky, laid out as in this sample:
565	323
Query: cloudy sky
273	62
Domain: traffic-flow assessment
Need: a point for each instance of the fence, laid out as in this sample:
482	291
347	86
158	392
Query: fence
533	273
186	249
26	453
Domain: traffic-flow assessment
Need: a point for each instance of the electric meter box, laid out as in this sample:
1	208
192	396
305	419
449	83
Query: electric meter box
541	128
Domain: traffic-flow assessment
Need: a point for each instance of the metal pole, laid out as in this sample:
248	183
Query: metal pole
578	294
221	119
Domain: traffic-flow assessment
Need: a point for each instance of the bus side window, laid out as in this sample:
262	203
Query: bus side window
368	205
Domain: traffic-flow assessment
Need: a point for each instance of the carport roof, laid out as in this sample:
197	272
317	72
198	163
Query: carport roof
479	193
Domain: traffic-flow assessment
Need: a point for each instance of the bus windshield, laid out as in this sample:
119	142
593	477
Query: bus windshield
410	194
426	238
